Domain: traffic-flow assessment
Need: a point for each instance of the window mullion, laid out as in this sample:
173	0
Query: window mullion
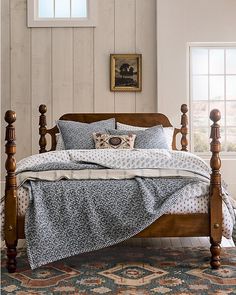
225	137
70	8
191	100
208	105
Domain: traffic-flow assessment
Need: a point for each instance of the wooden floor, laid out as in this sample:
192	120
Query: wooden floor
163	242
176	242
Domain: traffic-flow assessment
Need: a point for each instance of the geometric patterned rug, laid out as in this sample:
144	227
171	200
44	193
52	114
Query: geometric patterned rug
126	271
234	233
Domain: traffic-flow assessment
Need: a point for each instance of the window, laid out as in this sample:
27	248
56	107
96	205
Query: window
213	85
61	13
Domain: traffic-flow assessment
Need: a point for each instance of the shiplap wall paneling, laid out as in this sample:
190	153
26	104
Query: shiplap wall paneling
145	33
21	76
5	56
1	117
41	79
5	71
83	70
125	42
68	69
62	71
104	45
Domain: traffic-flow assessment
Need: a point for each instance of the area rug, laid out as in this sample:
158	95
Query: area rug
126	271
234	234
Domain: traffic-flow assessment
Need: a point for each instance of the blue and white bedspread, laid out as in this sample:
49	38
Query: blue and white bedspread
69	217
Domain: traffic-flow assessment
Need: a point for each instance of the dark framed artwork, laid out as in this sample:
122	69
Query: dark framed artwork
126	72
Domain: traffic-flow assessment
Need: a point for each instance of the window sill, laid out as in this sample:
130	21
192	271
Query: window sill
223	156
60	23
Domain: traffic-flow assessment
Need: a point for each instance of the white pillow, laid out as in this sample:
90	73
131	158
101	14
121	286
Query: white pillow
168	131
60	143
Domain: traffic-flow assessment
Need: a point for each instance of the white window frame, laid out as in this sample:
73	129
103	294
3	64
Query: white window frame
205	155
35	21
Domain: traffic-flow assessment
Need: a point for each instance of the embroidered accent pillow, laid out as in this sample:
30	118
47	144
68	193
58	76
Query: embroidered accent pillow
151	138
168	131
106	141
77	135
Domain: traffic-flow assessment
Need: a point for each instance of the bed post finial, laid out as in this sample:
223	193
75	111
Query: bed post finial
215	191
184	127
10	227
42	128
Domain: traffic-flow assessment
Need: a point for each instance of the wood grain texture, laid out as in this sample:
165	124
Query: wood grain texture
125	42
145	32
103	46
21	75
83	70
5	69
168	225
68	68
10	226
136	119
184	128
41	73
62	71
154	242
42	128
215	191
178	225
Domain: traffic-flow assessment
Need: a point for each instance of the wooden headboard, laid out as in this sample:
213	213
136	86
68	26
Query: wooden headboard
135	119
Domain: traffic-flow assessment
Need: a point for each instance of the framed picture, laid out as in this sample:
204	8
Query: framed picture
126	72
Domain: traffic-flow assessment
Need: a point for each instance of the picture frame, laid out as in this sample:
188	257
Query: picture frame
126	72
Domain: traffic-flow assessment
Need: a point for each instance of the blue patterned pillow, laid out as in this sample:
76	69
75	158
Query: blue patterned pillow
151	138
77	135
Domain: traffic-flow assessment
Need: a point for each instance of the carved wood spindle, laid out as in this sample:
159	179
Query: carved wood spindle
215	191
10	227
42	128
184	127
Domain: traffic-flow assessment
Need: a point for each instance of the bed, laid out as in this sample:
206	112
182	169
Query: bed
168	225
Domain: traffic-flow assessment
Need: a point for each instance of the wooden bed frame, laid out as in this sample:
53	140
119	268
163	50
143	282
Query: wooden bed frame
168	225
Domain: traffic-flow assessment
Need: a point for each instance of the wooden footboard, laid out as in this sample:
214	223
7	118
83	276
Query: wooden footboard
178	225
168	225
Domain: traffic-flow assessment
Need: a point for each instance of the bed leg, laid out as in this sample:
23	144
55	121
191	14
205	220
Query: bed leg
215	254
11	258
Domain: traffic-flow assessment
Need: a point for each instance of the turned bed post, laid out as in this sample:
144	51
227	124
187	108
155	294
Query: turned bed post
10	227
42	128
184	128
215	192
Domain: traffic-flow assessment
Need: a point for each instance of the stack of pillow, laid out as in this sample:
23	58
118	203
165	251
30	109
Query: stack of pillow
103	135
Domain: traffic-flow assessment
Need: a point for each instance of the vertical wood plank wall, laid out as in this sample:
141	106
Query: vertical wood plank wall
68	68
